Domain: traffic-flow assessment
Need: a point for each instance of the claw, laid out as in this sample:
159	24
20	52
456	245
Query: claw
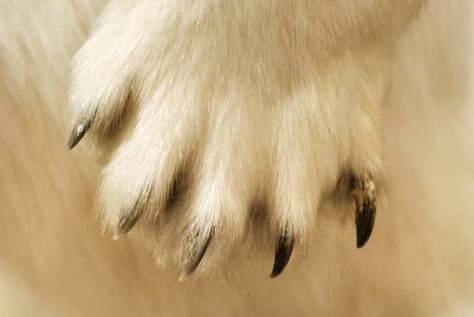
77	134
284	248
129	218
365	219
363	190
198	250
127	222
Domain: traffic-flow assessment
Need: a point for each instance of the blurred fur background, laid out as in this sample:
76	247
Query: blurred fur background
420	259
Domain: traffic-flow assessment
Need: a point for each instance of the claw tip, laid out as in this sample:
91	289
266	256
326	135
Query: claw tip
127	223
364	225
283	252
77	134
198	251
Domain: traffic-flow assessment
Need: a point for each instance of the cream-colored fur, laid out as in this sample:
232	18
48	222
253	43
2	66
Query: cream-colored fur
261	102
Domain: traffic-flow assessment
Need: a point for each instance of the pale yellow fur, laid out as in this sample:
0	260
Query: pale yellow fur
252	112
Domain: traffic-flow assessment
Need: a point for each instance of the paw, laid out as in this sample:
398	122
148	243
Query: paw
195	137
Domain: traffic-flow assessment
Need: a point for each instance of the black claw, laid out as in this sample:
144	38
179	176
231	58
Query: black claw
129	218
284	248
365	219
197	253
364	193
77	134
127	222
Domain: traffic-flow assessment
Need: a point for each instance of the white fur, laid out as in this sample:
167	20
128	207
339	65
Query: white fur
259	101
254	109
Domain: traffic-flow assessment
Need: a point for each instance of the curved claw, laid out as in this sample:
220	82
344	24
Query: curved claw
129	217
363	191
77	134
197	253
127	222
284	248
365	219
